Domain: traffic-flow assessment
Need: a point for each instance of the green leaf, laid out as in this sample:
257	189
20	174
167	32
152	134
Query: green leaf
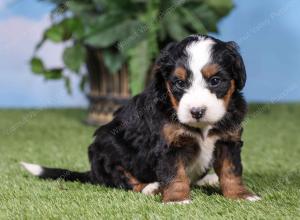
112	5
55	33
132	40
74	57
113	61
64	30
72	27
55	73
80	8
139	63
68	85
222	7
83	81
97	23
37	65
193	21
112	34
207	16
175	29
150	20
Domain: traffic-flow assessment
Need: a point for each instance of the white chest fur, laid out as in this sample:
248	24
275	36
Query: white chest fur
204	157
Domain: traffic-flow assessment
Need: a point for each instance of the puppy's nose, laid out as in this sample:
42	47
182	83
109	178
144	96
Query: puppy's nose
198	112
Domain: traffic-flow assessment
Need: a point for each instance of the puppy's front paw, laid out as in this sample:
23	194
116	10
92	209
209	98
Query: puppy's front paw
243	195
253	198
151	188
209	180
183	202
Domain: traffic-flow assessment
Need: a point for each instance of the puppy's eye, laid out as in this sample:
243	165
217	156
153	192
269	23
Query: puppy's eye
179	84
214	81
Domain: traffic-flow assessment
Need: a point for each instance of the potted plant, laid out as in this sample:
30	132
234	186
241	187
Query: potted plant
113	43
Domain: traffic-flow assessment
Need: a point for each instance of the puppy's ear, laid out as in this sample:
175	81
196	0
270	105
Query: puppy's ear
166	60
238	68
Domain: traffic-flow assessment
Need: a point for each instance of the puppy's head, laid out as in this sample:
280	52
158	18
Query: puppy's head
201	74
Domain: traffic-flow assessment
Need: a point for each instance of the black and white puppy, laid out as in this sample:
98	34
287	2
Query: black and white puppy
187	121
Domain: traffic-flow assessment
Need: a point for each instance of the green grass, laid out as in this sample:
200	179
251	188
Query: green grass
271	157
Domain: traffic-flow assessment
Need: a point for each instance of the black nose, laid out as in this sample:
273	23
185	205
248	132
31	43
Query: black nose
197	112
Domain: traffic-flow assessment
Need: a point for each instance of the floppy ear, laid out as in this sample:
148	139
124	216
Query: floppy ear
238	68
166	59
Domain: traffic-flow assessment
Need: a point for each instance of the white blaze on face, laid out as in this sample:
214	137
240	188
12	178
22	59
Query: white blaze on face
198	95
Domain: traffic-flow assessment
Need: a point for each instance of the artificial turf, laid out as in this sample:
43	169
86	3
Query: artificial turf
57	138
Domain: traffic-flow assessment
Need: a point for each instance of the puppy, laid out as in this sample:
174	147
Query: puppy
187	121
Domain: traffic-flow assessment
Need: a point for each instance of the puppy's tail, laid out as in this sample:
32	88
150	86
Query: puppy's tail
55	173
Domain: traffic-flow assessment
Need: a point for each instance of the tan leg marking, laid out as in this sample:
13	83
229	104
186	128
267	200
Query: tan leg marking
178	189
230	176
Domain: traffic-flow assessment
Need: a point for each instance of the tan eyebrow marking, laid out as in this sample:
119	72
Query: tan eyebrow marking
181	73
210	70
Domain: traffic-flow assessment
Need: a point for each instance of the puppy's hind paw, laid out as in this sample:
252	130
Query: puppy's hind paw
253	198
